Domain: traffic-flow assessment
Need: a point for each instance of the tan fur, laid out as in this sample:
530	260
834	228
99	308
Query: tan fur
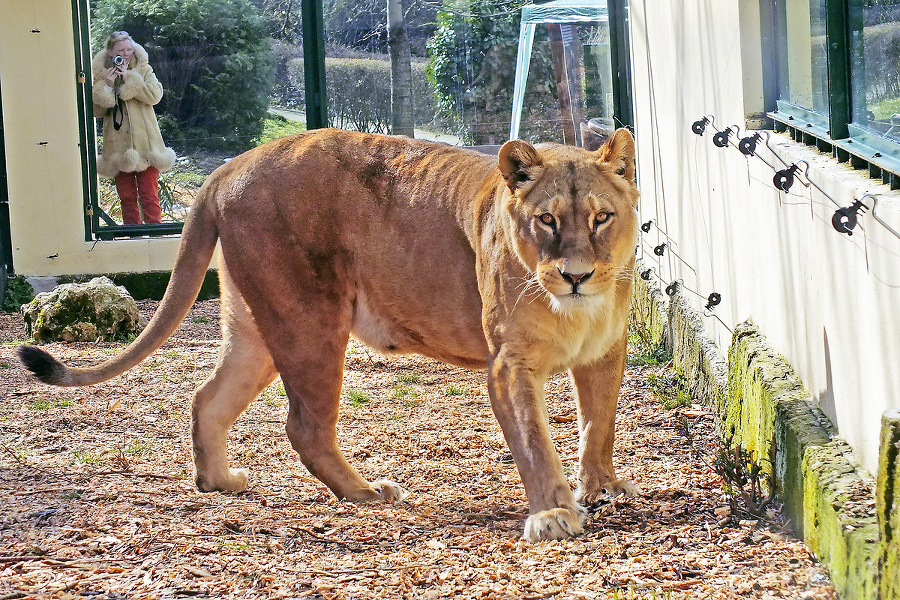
412	247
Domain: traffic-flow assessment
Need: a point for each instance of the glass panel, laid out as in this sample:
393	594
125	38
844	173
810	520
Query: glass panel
875	48
569	93
804	68
231	75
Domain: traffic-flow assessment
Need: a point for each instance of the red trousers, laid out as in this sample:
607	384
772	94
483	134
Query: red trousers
143	188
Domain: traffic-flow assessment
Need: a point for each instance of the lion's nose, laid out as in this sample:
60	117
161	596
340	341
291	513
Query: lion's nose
576	279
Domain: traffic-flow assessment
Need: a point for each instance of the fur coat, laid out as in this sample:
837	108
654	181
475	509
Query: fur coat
138	144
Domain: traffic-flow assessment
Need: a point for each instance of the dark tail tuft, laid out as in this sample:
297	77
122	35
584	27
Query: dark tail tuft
42	364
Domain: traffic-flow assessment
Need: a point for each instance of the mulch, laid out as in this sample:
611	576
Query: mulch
98	499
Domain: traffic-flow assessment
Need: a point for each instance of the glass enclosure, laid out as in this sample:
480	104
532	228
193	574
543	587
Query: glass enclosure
232	73
875	48
564	47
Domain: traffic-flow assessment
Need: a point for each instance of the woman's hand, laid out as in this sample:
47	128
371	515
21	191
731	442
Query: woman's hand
113	72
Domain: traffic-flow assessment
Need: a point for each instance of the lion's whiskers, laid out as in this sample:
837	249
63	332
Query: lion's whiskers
530	285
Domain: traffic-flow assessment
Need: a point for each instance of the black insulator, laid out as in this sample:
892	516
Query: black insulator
721	138
784	178
747	145
700	126
844	219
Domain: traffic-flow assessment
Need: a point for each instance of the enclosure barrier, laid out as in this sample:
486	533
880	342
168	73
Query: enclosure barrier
759	400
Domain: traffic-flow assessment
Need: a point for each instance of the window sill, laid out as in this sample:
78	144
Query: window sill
862	149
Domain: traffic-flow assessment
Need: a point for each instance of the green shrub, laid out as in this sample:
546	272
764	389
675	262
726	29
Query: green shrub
359	92
213	58
18	292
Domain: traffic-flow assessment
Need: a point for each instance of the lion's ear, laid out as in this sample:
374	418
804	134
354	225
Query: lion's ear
618	151
519	162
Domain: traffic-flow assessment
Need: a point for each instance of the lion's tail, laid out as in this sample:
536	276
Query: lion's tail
198	242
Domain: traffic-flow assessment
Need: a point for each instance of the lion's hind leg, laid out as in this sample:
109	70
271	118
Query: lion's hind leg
314	398
243	370
311	362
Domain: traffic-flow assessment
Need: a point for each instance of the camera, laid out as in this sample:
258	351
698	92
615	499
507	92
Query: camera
118	61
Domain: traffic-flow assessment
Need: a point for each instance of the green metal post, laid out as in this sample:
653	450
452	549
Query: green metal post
314	63
620	57
837	18
86	137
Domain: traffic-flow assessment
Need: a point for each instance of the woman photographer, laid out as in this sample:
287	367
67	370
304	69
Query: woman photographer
125	91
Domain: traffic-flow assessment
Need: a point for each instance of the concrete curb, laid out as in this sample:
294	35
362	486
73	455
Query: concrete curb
829	500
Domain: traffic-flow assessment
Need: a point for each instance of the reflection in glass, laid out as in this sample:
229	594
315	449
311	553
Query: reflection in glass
875	49
804	80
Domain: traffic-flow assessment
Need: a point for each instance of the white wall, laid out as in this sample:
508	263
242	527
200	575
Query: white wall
828	302
37	66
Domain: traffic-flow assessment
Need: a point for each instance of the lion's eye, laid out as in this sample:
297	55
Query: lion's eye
602	218
548	220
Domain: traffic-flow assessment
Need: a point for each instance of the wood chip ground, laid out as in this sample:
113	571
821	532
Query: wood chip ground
98	499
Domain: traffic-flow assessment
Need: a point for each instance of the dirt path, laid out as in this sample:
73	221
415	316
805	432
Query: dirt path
98	501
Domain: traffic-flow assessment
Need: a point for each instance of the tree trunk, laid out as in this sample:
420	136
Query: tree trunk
401	70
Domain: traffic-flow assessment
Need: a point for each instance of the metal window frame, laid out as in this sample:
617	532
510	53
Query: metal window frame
834	132
6	261
620	55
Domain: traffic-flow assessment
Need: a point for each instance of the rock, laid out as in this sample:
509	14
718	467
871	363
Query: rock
82	312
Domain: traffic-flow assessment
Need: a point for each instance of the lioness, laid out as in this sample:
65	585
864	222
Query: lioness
521	265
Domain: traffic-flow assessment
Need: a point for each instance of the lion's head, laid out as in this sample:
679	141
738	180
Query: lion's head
574	215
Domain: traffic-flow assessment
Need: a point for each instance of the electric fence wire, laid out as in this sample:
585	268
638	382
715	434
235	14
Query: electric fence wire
712	300
784	178
845	218
659	183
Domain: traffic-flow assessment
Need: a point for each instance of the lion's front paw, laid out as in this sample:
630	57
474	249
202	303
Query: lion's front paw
235	480
555	524
612	487
379	491
388	490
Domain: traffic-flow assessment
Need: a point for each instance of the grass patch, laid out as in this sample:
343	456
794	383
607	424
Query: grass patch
276	126
86	458
356	398
454	390
50	403
405	392
272	395
643	352
4	365
139	447
201	319
409	379
670	389
884	109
